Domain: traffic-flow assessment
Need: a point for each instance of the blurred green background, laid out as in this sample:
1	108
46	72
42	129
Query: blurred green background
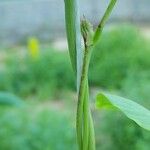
37	85
40	111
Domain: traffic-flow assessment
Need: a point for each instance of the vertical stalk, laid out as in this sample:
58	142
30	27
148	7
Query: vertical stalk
81	97
92	134
86	118
85	129
88	133
80	63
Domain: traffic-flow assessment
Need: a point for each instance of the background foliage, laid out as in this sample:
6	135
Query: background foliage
120	63
30	129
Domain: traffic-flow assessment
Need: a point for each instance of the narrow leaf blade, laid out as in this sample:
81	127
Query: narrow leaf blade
131	109
70	29
72	17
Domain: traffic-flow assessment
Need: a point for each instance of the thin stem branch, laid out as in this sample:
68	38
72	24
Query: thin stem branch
103	20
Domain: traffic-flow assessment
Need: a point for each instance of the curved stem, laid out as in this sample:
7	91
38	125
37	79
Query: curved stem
103	20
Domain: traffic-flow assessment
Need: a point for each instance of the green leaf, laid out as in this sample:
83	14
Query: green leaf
132	110
73	30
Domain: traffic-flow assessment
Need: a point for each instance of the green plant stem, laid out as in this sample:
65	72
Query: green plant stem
103	20
86	118
80	63
85	128
92	134
88	133
81	97
84	122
